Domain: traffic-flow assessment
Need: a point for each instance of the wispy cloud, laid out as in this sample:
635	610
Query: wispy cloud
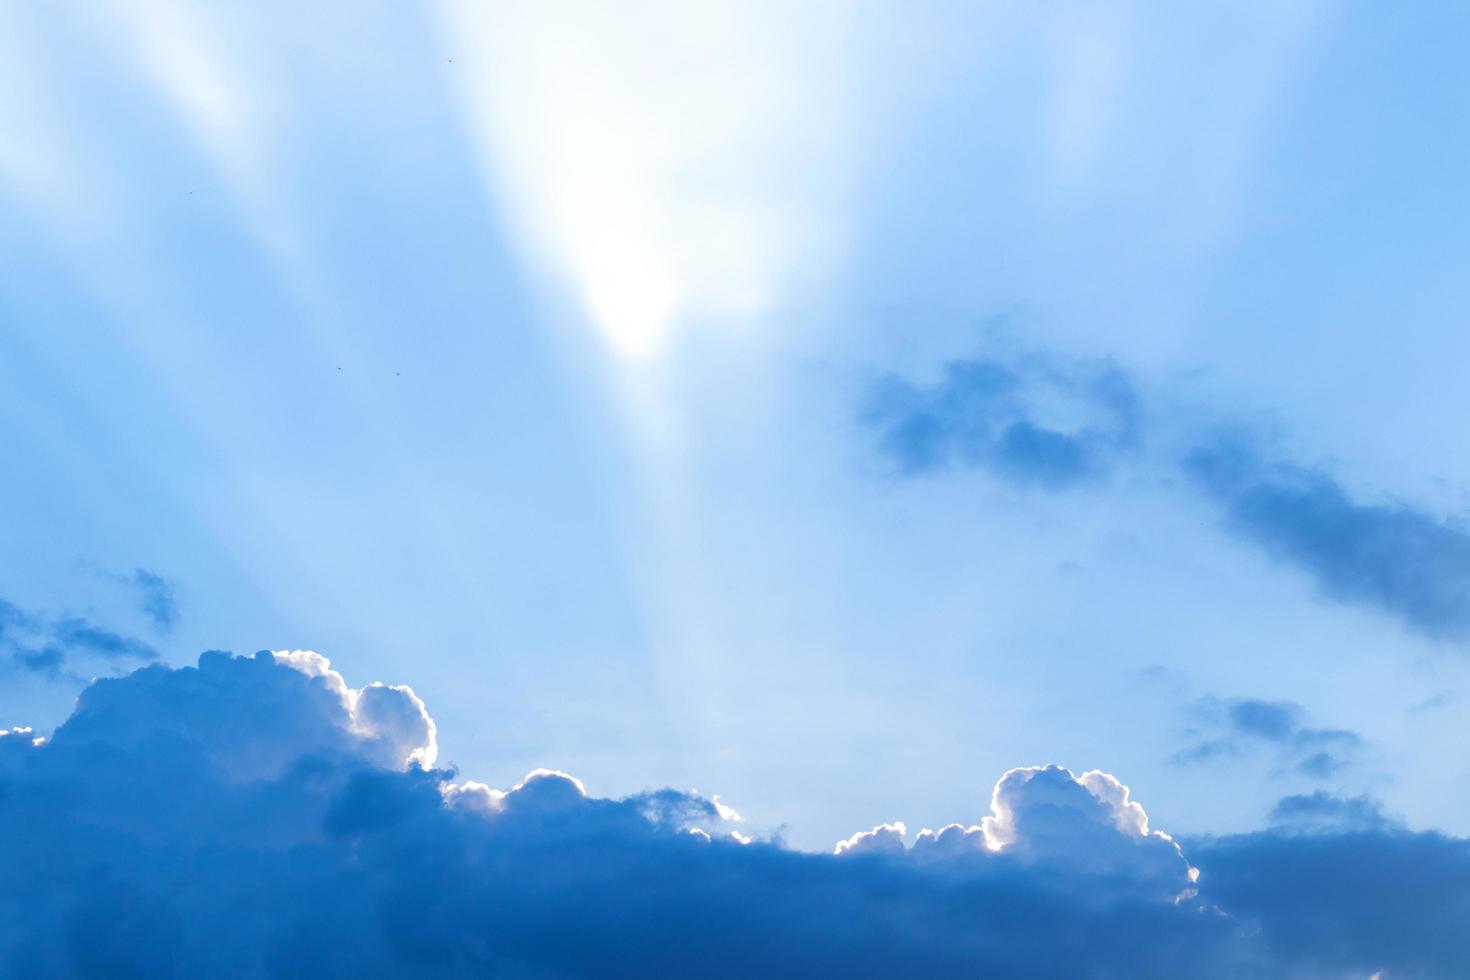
1050	424
156	596
1246	725
1432	703
48	644
1393	557
1046	424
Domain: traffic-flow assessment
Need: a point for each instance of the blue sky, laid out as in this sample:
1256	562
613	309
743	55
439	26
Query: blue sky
831	407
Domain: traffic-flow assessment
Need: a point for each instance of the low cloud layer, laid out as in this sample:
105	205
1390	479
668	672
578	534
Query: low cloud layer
1332	903
259	817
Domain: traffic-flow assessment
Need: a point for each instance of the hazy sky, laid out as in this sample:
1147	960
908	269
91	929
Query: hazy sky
818	405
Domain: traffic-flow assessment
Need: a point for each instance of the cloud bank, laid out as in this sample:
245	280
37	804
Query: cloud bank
259	817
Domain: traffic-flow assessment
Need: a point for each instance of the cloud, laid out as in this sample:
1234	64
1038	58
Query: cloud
48	645
261	817
1048	820
1322	811
1395	558
1432	703
1244	724
153	594
156	596
886	838
1345	901
1048	423
1076	826
1275	721
1041	423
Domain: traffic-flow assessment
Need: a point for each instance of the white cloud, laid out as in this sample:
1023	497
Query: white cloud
1084	825
886	838
392	719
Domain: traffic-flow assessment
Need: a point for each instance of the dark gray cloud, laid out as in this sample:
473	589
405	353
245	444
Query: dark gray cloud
257	817
49	644
1244	725
1395	558
1348	901
987	414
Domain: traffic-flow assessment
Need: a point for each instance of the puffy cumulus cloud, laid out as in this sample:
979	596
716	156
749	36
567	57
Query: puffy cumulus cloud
248	720
886	838
1079	828
391	722
259	817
